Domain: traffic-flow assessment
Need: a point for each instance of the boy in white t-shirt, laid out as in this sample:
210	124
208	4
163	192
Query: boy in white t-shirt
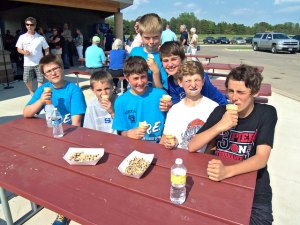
186	118
100	111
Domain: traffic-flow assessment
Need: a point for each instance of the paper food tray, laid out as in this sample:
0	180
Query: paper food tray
86	151
125	163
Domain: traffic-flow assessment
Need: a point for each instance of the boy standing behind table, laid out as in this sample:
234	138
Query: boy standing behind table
139	104
150	28
186	118
100	111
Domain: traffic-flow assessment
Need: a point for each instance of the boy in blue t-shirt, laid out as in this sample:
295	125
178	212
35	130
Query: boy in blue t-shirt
139	104
150	28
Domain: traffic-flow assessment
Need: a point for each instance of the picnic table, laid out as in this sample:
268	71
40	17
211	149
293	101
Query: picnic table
32	166
225	66
206	57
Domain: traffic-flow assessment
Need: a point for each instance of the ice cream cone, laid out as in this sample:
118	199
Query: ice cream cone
150	56
47	89
231	107
170	138
167	98
143	125
104	97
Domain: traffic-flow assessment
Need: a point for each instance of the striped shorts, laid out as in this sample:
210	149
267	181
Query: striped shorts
28	74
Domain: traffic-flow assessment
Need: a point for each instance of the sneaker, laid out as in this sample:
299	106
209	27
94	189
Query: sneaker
61	220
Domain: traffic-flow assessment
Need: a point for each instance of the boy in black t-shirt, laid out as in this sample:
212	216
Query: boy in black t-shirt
245	134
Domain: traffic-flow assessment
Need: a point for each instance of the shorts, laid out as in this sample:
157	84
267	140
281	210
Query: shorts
28	74
55	51
261	214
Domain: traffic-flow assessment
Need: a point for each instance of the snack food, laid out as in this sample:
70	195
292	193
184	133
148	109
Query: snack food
143	125
170	138
231	107
137	166
82	157
150	56
47	89
167	98
104	97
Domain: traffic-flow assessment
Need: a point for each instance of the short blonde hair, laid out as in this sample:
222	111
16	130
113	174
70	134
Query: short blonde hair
118	44
193	30
150	23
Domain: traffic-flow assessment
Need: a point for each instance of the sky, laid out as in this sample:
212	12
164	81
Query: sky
247	12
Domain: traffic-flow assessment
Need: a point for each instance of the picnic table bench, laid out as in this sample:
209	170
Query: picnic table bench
101	194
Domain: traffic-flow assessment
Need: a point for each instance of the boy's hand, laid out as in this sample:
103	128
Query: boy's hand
152	66
228	121
170	143
136	133
164	105
45	96
107	105
216	170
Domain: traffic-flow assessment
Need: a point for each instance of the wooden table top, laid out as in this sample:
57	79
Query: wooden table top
31	165
226	66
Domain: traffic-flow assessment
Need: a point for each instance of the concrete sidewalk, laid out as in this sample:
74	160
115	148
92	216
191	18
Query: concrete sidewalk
283	163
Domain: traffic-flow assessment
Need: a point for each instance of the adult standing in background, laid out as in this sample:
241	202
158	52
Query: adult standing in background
109	39
168	35
30	45
67	53
193	43
94	56
101	36
55	42
184	37
78	40
138	41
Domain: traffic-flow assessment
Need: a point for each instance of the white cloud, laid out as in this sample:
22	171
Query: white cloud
191	5
177	3
137	4
278	2
290	9
242	11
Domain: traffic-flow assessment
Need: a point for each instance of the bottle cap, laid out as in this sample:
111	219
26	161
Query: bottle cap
178	161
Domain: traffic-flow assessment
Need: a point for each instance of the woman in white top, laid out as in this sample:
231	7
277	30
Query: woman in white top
193	42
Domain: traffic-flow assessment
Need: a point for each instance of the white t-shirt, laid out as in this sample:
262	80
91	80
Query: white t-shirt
34	44
184	122
97	118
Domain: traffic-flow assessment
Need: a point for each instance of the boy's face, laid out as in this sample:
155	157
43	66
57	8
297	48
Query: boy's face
240	95
102	88
192	85
171	64
151	41
53	73
138	83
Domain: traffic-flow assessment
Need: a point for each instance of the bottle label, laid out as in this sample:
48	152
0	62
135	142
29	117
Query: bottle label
178	180
56	122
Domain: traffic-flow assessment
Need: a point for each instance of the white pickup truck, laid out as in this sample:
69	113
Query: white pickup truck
274	42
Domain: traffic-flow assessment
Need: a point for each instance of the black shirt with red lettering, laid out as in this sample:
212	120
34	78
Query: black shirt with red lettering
240	143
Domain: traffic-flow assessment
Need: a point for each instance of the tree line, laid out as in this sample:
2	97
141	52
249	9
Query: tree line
210	27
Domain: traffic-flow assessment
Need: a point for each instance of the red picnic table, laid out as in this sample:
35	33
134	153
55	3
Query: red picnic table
32	166
225	66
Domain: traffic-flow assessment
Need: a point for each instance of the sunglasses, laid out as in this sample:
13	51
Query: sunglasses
30	24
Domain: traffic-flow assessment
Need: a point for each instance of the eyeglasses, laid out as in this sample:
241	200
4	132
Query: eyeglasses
30	24
54	70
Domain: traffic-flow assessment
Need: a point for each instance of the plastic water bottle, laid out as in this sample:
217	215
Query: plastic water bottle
178	180
48	112
56	119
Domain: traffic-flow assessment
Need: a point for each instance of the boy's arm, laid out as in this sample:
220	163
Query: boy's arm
76	120
135	133
217	171
155	73
32	109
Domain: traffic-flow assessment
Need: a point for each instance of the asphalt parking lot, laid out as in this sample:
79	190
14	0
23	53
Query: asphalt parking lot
280	70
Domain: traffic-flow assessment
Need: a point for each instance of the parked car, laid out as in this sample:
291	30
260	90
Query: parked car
238	40
275	42
297	37
222	40
209	40
248	40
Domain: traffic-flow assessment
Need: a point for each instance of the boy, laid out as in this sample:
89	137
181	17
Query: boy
150	28
186	118
139	104
100	111
244	134
172	56
66	96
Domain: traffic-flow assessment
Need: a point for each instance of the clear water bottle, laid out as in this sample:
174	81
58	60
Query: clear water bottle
57	120
48	112
178	180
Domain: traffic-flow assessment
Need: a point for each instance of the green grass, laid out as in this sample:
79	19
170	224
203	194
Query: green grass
240	47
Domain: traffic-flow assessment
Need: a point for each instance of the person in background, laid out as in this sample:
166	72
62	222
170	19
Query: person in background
78	41
31	45
184	37
8	41
138	41
193	43
132	107
55	42
117	57
109	39
129	40
100	111
195	108
168	35
67	48
94	56
150	28
172	56
245	134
